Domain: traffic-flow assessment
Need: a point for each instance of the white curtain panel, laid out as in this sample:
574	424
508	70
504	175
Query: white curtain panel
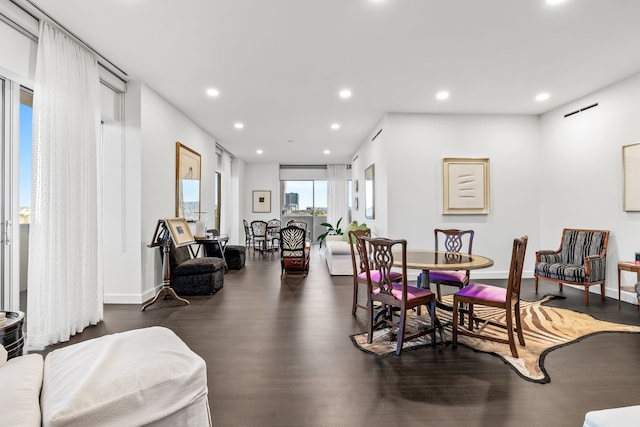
337	178
65	286
226	214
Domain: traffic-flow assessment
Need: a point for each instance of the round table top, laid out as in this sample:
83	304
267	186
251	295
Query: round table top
422	259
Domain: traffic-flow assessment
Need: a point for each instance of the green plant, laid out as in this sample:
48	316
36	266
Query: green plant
331	230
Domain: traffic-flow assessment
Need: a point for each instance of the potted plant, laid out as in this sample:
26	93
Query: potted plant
331	230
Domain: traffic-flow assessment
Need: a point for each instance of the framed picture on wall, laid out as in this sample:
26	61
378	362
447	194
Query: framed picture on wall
465	186
261	201
631	172
188	169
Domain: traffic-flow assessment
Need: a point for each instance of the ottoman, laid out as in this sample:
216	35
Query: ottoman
142	377
234	255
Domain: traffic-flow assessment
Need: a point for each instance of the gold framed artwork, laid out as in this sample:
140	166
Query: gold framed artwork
631	177
188	170
180	231
465	186
262	201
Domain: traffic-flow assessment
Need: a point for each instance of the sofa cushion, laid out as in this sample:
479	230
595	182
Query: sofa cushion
627	416
198	266
562	271
133	378
20	403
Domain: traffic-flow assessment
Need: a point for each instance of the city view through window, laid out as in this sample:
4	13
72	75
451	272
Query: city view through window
305	201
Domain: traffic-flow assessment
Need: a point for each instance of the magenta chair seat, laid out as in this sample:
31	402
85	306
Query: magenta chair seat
450	275
485	292
412	292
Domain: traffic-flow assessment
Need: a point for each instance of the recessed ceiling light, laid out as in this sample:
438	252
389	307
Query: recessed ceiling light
327	152
542	97
345	94
259	151
335	126
442	95
213	92
553	2
238	125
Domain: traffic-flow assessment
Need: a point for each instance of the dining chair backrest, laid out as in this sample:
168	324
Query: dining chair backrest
454	240
358	262
379	253
259	228
274	222
292	241
301	224
515	270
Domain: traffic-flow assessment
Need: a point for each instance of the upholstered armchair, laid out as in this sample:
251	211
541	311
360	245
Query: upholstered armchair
194	276
580	260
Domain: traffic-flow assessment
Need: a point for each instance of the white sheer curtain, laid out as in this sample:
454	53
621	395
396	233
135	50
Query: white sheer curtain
226	211
337	177
65	287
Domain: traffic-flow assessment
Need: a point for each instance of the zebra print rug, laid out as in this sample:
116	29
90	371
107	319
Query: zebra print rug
545	329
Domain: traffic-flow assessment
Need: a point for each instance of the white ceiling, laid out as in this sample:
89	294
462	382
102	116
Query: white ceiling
279	64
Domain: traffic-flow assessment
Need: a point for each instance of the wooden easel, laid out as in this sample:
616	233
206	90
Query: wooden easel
162	237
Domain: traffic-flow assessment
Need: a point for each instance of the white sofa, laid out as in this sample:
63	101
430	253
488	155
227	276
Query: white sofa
627	416
142	377
337	253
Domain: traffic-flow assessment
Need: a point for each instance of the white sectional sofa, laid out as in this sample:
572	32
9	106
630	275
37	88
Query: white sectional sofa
337	253
142	377
627	416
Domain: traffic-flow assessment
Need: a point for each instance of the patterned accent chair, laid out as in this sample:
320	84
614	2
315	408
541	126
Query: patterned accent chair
294	252
581	260
248	234
261	238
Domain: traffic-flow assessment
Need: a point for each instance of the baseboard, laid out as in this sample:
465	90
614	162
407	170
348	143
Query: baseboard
131	298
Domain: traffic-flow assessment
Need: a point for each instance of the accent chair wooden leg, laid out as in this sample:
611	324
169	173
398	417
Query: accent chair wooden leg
602	291
586	295
560	286
536	283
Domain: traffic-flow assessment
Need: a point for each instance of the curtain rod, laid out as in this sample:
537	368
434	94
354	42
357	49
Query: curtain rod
40	15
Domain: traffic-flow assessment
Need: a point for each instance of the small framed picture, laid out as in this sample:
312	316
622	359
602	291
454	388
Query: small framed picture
262	201
180	231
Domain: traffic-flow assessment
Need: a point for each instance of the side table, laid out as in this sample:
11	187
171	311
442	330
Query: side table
632	267
11	336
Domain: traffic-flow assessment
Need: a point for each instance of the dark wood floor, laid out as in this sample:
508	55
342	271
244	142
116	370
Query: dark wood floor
278	353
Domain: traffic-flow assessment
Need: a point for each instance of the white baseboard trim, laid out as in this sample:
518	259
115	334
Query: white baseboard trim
131	298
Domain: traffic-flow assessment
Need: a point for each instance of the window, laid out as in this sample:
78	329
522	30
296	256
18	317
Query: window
217	199
305	201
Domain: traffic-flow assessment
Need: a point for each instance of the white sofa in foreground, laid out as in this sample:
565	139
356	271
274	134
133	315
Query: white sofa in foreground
337	253
627	416
142	377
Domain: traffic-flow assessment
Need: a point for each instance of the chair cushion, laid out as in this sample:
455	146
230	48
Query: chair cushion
412	292
22	380
375	276
562	271
485	292
577	244
449	275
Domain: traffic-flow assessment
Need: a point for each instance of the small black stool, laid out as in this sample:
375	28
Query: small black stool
234	255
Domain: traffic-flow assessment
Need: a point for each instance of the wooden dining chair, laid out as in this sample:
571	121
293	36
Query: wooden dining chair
358	261
451	240
506	300
396	298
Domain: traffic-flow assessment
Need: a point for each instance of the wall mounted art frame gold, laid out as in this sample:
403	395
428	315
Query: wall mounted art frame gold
188	170
631	177
465	186
261	201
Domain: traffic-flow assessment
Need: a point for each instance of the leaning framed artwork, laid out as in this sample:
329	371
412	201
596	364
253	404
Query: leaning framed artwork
465	186
631	175
180	231
188	168
261	201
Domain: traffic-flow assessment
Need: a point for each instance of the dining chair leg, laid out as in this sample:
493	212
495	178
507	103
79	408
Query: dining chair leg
519	324
512	341
355	299
454	335
402	325
370	316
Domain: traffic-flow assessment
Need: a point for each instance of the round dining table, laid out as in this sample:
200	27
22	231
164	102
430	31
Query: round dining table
426	260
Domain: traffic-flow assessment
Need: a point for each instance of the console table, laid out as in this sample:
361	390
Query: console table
632	267
11	335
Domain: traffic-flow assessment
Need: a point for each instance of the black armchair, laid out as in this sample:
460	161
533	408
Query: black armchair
195	276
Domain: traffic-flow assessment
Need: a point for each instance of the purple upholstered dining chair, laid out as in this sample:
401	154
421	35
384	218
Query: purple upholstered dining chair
494	296
451	240
358	261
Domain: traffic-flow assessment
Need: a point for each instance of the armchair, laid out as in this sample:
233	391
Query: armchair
294	252
194	276
580	260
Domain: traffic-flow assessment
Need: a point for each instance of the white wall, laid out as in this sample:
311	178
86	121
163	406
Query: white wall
260	176
161	126
408	166
581	178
